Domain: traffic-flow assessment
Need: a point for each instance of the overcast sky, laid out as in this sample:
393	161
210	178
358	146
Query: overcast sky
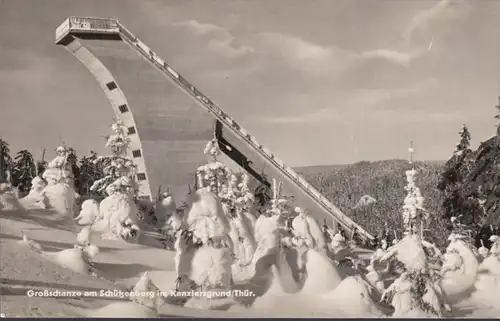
318	82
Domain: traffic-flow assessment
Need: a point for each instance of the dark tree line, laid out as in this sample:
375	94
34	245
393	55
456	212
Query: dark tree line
5	160
18	170
22	168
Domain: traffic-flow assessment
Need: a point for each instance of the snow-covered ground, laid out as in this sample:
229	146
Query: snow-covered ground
120	265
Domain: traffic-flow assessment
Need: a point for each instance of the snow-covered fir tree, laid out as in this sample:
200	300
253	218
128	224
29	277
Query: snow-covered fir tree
455	173
416	291
215	175
236	198
60	194
89	172
236	195
464	143
205	245
118	212
116	165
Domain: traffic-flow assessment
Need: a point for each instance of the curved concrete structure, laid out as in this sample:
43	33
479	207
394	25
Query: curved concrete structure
119	103
169	135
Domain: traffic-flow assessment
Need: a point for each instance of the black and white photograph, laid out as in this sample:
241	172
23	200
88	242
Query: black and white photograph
250	158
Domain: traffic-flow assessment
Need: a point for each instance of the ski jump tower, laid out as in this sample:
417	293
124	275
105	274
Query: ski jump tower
169	136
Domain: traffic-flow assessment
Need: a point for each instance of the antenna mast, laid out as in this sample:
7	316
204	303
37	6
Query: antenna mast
411	150
3	166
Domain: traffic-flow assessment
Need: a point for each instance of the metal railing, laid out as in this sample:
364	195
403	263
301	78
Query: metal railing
242	133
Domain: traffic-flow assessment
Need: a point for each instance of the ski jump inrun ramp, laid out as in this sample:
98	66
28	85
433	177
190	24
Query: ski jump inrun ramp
169	134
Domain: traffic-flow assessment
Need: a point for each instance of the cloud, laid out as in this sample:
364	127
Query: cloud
225	47
297	54
397	57
444	10
303	55
400	58
361	101
296	81
307	56
294	52
295	47
300	79
222	42
201	29
422	19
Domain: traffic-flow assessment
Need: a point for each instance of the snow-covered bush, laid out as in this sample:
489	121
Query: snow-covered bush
165	207
307	229
8	198
238	203
491	262
269	225
35	199
495	248
461	229
205	217
119	211
58	169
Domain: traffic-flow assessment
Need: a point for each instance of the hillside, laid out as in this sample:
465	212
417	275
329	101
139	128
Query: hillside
484	177
383	180
317	169
471	176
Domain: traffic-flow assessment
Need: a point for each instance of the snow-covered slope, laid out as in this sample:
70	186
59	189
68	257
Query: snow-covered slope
121	264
